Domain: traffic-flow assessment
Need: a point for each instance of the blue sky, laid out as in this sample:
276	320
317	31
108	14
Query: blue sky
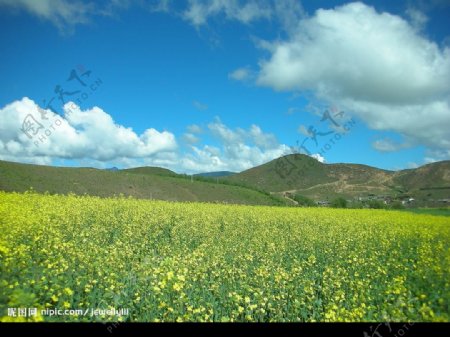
215	85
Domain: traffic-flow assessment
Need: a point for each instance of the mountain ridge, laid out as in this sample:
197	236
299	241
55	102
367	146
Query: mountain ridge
279	178
301	174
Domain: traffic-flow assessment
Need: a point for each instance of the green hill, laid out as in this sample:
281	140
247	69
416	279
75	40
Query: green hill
430	176
301	174
145	183
151	170
216	174
273	183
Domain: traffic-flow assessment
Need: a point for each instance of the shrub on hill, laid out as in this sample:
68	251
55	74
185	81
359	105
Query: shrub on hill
339	203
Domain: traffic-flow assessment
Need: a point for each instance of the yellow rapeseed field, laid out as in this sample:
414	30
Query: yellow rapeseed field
202	262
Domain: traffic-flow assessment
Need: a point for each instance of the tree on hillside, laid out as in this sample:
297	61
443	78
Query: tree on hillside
304	201
376	204
339	203
397	205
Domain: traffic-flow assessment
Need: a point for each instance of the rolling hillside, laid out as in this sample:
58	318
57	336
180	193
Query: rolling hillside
151	170
268	184
216	174
435	175
304	175
145	183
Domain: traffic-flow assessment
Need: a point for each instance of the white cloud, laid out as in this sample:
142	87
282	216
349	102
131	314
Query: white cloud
62	13
429	5
90	134
240	74
417	18
375	65
194	128
190	138
160	5
199	11
286	12
238	150
225	134
91	137
369	56
66	14
433	155
289	13
318	157
303	131
389	145
412	165
200	106
261	139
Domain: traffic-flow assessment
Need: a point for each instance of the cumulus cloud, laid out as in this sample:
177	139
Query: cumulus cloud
238	150
318	157
353	51
261	139
91	134
235	150
375	65
240	74
417	18
92	138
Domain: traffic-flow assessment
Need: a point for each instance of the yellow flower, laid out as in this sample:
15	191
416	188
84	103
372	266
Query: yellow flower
177	286
68	291
258	262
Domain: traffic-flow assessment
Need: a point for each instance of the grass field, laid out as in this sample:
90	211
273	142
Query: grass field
142	183
168	261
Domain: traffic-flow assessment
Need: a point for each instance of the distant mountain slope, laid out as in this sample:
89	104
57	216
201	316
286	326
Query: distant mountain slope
145	183
299	172
150	170
304	175
428	176
215	174
264	184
